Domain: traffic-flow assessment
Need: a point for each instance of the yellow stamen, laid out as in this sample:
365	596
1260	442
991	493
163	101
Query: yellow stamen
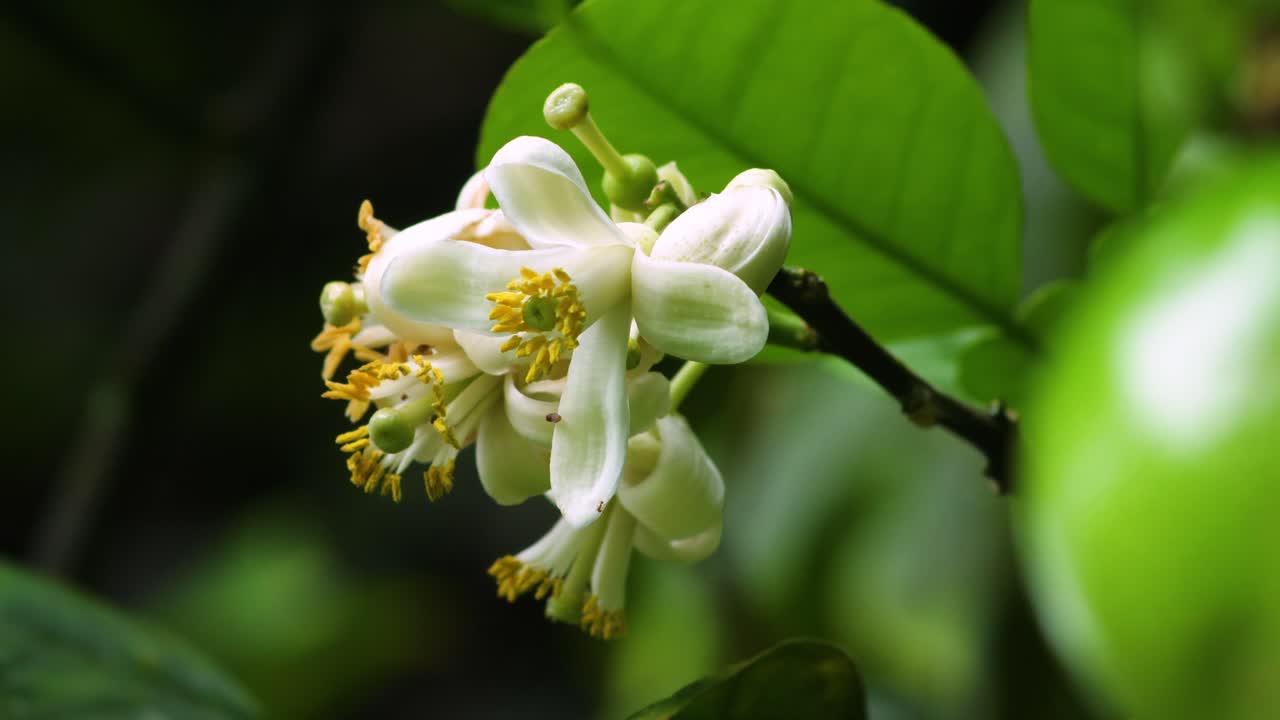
552	291
373	229
439	481
365	464
335	342
600	623
515	579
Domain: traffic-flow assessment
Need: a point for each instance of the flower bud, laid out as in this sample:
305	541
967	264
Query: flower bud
745	230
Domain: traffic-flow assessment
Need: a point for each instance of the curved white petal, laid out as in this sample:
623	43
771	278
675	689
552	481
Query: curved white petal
745	230
474	193
486	351
543	194
649	397
444	282
684	493
528	415
697	312
684	550
511	468
589	444
449	225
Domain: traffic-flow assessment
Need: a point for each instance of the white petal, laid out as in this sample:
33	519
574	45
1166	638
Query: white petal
649	396
474	193
684	493
745	230
528	415
543	194
449	225
609	574
511	468
589	444
444	282
684	550
696	312
486	351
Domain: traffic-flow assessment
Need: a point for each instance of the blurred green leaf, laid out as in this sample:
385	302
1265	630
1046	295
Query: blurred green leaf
63	656
907	195
995	367
1116	88
274	596
795	680
681	637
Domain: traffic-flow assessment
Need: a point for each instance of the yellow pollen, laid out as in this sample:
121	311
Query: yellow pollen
439	481
365	463
335	342
359	381
544	346
514	579
373	230
600	623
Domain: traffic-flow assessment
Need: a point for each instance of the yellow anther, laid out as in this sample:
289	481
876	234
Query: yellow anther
515	578
346	437
439	481
335	342
600	623
373	230
446	432
391	486
365	464
544	314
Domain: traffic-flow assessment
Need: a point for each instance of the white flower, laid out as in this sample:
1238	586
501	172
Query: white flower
669	508
575	291
430	405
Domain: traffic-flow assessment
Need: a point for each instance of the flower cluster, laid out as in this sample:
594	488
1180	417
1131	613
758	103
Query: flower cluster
532	331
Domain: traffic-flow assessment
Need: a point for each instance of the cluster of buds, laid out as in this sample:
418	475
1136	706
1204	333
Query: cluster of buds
532	331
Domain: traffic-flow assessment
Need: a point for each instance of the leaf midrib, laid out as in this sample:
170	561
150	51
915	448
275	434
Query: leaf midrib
602	54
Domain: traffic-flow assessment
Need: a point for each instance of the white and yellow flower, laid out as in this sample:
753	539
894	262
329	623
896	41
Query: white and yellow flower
573	293
669	507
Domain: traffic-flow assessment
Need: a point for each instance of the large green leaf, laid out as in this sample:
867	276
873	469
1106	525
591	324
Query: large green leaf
1115	89
795	680
62	656
907	195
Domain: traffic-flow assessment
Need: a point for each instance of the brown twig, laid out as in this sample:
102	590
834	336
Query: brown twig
994	434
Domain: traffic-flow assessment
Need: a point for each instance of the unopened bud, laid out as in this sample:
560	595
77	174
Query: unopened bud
745	230
760	177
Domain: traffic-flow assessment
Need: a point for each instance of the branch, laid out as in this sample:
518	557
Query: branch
993	434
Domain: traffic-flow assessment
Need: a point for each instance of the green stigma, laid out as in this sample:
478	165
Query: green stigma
390	431
539	312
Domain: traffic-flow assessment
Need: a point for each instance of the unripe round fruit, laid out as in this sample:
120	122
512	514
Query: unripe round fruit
1149	514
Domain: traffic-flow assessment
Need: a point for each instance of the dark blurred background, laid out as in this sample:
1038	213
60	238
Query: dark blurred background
179	180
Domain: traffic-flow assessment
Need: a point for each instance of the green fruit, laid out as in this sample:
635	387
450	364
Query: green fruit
1149	515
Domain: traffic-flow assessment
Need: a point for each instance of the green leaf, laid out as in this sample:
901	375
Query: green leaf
62	656
795	680
996	367
1114	92
907	195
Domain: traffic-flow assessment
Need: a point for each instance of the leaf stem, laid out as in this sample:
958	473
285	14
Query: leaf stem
993	434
